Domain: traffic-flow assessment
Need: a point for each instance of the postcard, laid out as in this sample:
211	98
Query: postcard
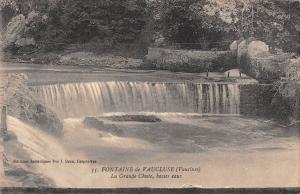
177	94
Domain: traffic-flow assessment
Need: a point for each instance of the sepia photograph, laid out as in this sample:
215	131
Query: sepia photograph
149	96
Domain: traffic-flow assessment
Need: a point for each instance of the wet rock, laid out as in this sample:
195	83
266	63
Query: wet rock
35	180
10	136
45	119
28	179
23	105
136	118
94	122
15	171
113	129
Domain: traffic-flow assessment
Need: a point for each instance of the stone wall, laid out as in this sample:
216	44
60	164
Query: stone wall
267	68
256	60
263	100
189	60
297	111
94	60
281	70
256	99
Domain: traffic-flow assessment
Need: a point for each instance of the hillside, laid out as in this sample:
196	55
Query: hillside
129	27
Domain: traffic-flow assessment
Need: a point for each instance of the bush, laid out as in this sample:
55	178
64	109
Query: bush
189	61
78	21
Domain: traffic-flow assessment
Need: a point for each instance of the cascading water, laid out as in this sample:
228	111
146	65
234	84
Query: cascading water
94	98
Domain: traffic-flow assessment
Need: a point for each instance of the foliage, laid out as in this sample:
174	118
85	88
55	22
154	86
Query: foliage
77	21
200	24
270	22
194	20
7	9
189	61
180	25
8	3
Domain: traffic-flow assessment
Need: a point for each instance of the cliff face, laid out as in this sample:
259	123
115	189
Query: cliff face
22	105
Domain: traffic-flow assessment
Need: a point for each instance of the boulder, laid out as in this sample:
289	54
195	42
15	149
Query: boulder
23	42
256	60
257	48
93	122
136	118
22	104
234	47
250	48
14	30
242	50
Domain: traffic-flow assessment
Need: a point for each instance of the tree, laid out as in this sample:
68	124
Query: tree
77	21
270	21
7	9
181	25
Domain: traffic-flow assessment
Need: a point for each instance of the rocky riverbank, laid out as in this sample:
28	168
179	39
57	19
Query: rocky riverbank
23	105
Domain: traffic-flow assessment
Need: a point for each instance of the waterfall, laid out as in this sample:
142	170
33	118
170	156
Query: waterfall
94	98
37	145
